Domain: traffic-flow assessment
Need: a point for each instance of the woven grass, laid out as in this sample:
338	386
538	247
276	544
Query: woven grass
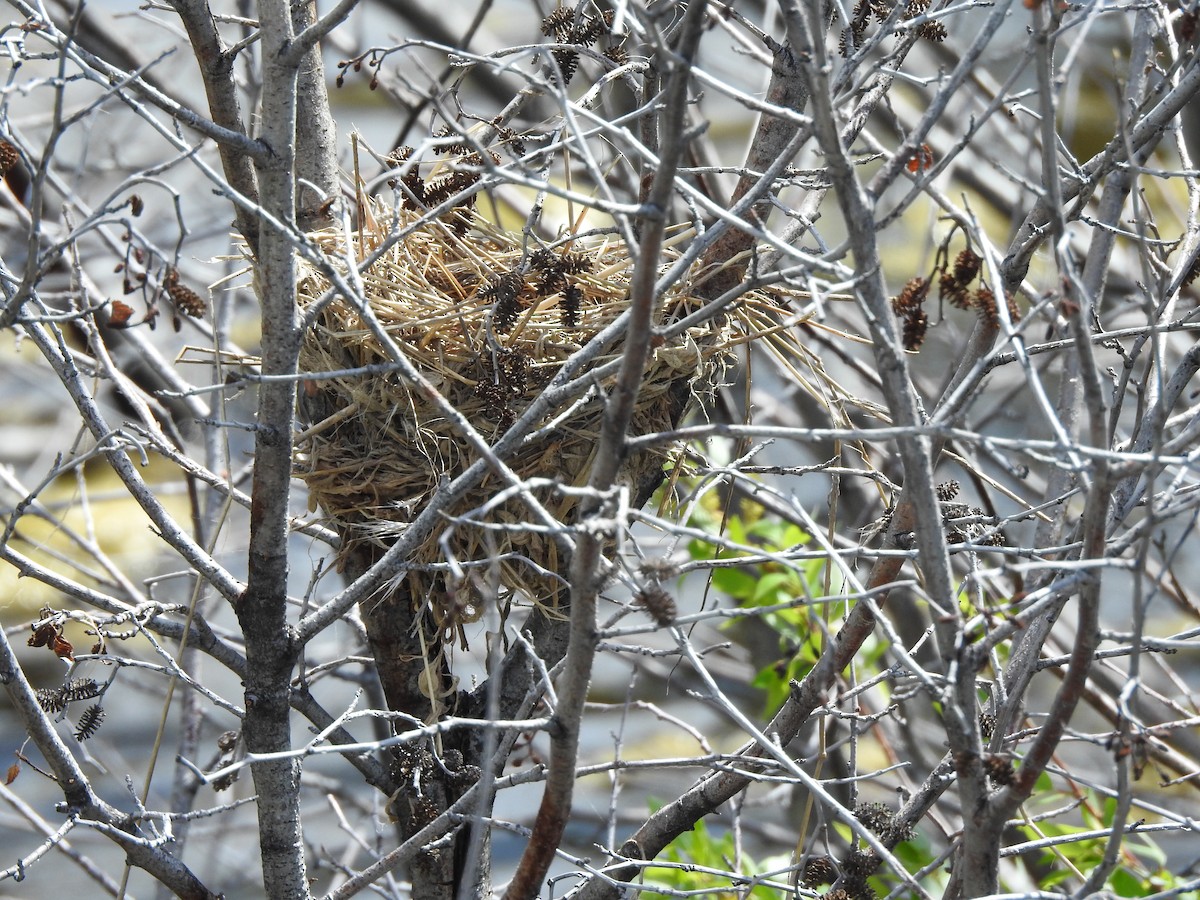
488	322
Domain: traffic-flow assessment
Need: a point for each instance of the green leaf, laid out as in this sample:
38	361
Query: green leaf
698	549
1147	849
1056	877
768	587
916	853
700	847
1126	884
780	535
735	530
737	583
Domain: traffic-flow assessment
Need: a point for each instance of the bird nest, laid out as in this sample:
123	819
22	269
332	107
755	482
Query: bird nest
488	321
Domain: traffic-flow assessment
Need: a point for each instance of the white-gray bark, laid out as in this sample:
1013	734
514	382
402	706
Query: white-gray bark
938	511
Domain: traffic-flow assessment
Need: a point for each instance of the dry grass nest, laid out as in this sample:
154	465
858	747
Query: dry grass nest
488	320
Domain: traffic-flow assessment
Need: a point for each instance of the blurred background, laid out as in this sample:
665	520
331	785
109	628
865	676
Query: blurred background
79	519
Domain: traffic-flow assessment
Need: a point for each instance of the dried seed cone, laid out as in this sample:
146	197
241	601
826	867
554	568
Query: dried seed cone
89	722
187	300
660	604
999	768
916	324
966	267
1014	311
933	31
948	490
375	449
949	288
9	157
985	302
819	870
559	23
911	297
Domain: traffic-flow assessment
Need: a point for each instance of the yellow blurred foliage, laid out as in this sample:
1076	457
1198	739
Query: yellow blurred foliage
64	530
